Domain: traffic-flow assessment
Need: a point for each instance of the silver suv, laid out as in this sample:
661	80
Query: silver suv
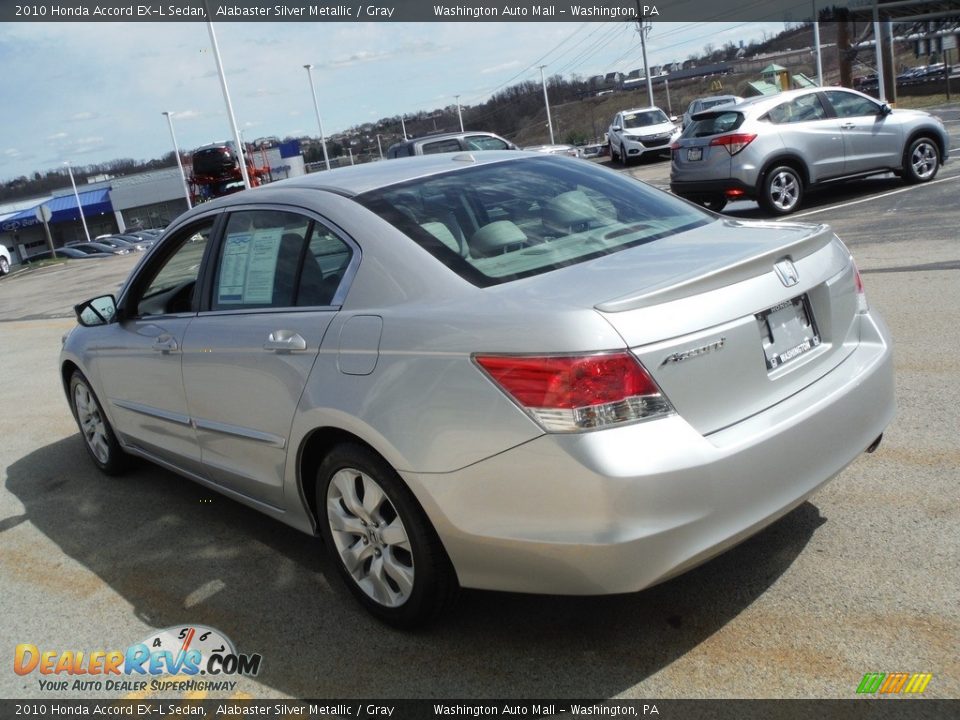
449	142
773	149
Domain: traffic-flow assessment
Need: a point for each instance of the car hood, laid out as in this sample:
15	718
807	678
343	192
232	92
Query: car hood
651	130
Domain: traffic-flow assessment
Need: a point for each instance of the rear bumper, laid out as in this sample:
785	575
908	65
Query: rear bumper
695	189
619	510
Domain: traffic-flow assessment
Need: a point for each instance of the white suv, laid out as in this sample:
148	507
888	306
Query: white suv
4	260
635	132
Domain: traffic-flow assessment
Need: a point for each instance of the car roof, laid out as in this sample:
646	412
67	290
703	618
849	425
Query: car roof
642	109
356	179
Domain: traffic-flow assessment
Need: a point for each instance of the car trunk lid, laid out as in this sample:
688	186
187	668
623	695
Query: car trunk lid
731	322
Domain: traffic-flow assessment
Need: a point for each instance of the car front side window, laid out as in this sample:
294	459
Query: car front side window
849	105
171	287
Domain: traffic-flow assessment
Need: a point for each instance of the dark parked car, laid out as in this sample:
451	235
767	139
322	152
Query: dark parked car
71	253
108	248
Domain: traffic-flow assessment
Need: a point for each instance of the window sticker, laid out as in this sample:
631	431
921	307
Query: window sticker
248	267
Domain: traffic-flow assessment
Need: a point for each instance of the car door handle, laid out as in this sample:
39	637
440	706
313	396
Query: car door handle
165	344
285	341
848	126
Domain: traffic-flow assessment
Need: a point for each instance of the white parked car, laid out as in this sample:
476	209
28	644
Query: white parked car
5	260
641	130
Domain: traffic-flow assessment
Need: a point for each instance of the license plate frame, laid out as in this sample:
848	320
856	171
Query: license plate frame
788	331
694	154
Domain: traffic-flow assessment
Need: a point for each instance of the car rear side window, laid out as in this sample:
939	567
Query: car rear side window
275	259
714	123
801	109
441	146
485	142
507	220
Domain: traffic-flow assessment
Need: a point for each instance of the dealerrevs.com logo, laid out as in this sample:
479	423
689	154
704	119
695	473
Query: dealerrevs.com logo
183	651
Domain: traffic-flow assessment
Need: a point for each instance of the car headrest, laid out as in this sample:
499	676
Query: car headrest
495	238
570	210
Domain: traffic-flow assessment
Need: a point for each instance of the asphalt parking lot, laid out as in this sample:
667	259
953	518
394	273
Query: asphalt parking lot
862	578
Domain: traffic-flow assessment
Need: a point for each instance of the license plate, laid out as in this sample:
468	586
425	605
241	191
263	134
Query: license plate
788	331
694	154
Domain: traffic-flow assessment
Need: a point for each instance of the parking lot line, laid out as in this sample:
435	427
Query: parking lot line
868	199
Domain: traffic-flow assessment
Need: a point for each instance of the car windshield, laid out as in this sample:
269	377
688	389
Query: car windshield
509	220
644	119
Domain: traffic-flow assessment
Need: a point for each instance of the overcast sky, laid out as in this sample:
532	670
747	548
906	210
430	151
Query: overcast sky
94	92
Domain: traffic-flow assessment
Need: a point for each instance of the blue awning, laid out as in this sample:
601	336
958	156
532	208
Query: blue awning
63	209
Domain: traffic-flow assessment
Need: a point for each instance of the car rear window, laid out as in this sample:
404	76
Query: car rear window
714	123
499	222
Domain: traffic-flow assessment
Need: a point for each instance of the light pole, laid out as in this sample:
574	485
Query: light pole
459	114
546	102
316	107
403	126
226	98
816	44
176	152
77	196
350	150
379	147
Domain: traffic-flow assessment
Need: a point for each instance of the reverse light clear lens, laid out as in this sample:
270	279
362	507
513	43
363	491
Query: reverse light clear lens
567	393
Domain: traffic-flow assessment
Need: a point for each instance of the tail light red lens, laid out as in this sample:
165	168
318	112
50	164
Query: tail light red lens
735	142
862	305
566	393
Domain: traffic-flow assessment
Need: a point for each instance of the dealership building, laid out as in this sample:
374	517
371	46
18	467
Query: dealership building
112	205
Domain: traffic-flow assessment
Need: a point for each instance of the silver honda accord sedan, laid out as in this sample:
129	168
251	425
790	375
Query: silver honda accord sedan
497	370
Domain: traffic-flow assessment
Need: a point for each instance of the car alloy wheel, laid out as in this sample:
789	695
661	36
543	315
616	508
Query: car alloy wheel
924	160
4	266
783	190
97	434
370	537
379	538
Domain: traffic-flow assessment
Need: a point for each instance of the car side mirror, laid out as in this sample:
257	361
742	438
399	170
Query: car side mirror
98	311
674	118
885	109
616	128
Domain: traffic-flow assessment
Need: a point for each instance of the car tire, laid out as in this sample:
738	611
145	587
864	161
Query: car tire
921	161
380	540
98	435
623	156
4	266
782	190
715	202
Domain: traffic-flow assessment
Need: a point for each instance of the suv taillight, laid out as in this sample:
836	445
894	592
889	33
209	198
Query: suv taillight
734	143
567	393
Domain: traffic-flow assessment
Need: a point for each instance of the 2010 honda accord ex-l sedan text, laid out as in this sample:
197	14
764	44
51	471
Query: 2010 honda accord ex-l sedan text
490	370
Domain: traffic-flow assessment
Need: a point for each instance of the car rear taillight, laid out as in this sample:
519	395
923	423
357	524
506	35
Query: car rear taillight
734	143
567	393
862	305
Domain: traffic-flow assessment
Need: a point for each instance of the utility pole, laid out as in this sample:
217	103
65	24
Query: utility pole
643	27
459	114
